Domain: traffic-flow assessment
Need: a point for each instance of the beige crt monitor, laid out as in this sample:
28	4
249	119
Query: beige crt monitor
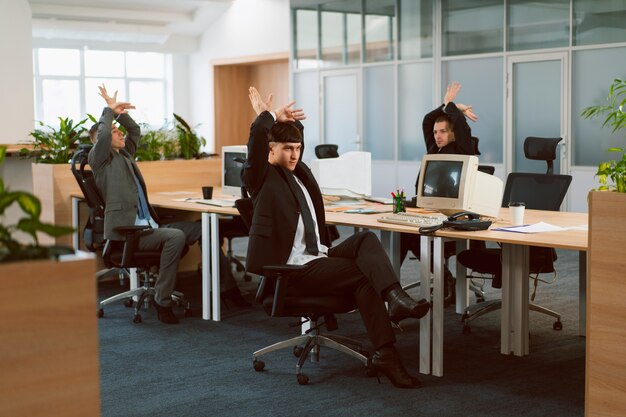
452	183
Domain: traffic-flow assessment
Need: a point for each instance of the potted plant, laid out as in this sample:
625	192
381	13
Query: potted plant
614	169
156	145
56	146
189	143
10	248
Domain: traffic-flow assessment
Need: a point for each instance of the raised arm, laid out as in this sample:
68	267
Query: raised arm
428	126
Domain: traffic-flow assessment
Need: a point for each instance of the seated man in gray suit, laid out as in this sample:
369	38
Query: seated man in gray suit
124	191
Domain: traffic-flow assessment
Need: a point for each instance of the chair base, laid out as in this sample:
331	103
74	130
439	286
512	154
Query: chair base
308	345
474	312
143	295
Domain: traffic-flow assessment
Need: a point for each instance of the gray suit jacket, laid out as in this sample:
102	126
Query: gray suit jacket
113	172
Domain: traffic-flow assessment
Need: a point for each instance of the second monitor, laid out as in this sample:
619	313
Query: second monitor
349	175
452	183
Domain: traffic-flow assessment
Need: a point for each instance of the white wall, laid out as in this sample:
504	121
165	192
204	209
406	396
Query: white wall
16	80
248	27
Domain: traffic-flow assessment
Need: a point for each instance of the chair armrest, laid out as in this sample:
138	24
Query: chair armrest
279	276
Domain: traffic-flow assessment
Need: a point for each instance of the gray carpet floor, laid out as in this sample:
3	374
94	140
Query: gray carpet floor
204	368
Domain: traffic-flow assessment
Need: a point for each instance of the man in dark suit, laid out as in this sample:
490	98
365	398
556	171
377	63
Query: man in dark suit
288	226
125	195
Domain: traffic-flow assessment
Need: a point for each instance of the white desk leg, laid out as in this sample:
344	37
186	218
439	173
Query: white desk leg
462	283
582	293
514	325
75	223
425	322
206	282
391	243
215	266
437	308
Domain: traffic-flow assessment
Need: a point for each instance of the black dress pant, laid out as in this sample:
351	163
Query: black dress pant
358	267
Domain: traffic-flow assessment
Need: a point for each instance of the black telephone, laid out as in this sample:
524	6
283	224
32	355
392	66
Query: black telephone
464	220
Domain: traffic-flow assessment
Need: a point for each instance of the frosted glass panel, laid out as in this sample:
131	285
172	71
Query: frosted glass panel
378	110
599	22
306	94
332	38
482	87
472	26
415	92
305	39
340	109
536	109
593	72
416	29
379	25
538	24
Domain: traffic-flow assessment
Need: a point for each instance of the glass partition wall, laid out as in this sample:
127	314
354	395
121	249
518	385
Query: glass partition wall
402	54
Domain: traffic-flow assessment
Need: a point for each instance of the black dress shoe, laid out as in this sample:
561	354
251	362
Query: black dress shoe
165	314
402	306
233	295
387	361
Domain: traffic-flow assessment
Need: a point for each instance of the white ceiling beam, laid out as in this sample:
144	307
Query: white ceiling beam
100	13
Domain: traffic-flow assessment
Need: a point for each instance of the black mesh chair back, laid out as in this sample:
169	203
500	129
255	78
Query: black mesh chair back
326	151
537	191
542	149
93	233
487	169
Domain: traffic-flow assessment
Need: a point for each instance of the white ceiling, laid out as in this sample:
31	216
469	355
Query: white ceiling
130	21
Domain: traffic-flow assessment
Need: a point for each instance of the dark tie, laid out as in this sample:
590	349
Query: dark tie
309	227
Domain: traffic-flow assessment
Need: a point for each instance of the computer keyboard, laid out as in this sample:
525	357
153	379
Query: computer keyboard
414	219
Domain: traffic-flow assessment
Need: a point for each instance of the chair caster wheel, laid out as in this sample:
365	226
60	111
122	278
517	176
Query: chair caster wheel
258	365
467	329
128	303
100	313
137	318
303	379
557	325
297	351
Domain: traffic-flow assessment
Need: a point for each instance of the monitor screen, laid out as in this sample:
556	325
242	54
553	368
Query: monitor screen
231	168
452	183
349	175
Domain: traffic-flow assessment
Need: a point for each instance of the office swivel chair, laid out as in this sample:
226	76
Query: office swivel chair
326	150
118	255
540	192
317	310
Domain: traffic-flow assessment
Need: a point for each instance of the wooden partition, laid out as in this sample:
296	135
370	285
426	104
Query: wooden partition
606	291
49	349
233	113
54	184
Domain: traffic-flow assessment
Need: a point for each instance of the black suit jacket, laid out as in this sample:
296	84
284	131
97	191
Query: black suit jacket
276	209
462	133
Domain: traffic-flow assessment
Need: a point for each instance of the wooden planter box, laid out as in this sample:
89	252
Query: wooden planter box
605	383
49	363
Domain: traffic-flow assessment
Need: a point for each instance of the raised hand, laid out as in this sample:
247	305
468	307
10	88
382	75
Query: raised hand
287	114
467	111
257	102
451	92
117	107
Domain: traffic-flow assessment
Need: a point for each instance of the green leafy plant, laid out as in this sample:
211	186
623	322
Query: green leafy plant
56	146
189	143
615	117
10	248
156	145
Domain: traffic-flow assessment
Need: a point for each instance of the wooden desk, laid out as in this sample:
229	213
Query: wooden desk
514	322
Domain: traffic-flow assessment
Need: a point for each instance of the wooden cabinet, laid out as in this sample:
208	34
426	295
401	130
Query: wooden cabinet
49	350
605	385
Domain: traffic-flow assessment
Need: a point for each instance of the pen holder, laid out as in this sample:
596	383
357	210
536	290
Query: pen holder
399	205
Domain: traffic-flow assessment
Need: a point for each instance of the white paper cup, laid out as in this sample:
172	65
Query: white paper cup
516	211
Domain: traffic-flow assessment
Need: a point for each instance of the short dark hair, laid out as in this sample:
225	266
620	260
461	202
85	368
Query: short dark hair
284	132
93	132
445	118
